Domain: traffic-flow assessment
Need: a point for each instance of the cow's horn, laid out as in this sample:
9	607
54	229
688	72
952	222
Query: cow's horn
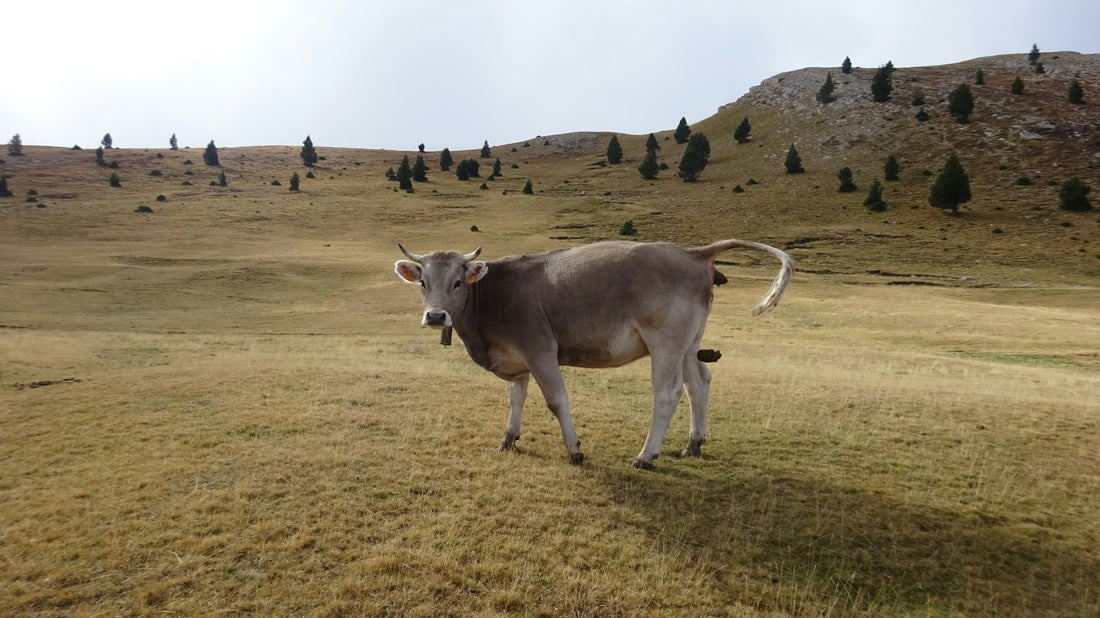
470	256
412	256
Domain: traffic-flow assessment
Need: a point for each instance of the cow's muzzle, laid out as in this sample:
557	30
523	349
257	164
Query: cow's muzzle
436	319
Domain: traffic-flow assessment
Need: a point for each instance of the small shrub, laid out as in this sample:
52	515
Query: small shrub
528	188
752	181
31	199
115	181
738	189
161	198
922	116
998	230
187	183
155	173
188	162
310	175
276	183
1074	195
628	229
1023	181
473	228
143	208
484	186
515	166
113	165
294	180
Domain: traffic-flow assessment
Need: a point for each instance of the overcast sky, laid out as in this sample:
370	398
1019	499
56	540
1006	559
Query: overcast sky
455	73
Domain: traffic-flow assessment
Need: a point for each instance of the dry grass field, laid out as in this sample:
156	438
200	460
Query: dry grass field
227	406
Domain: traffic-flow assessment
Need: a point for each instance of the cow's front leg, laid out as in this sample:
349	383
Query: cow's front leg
548	376
517	395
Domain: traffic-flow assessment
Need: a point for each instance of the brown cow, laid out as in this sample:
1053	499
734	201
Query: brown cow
599	305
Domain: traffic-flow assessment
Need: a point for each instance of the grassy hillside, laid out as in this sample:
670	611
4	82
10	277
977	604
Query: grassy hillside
227	406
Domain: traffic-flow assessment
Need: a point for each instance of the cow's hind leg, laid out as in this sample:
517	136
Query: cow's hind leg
697	379
668	387
517	395
548	376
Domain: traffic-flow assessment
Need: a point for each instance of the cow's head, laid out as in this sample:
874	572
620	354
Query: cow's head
443	278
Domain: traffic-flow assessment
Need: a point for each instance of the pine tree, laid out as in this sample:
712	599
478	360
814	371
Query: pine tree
793	162
473	167
952	186
222	180
648	168
1074	195
107	141
15	146
485	153
445	160
404	175
882	83
308	154
4	191
825	94
651	144
979	78
846	66
210	156
961	103
1039	68
890	170
294	180
683	132
172	143
1018	86
614	151
1076	93
114	180
694	159
496	169
528	188
1033	56
874	197
462	171
420	170
99	157
845	177
741	134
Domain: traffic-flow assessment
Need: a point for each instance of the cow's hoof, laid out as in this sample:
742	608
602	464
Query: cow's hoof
576	458
643	465
509	442
693	449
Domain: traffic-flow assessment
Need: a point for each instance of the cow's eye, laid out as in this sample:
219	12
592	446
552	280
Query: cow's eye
421	283
457	283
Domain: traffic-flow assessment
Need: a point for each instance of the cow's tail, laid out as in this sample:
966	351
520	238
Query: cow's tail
770	300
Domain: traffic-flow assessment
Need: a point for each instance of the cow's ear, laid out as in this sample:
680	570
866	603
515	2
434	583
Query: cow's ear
475	271
409	271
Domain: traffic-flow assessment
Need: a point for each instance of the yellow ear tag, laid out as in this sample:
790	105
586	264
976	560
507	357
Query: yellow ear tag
471	279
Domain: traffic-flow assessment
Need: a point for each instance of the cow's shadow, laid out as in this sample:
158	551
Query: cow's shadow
811	543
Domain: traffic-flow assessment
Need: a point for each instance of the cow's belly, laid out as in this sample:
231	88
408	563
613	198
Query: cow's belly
625	347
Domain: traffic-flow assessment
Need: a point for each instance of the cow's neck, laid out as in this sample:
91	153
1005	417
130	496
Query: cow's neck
468	327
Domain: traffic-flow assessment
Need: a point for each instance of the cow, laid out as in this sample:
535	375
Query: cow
600	305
